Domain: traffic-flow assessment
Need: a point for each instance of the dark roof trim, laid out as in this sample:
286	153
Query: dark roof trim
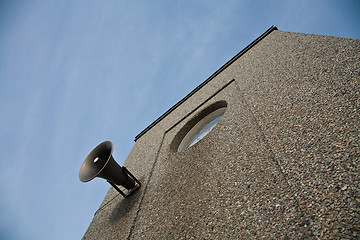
272	28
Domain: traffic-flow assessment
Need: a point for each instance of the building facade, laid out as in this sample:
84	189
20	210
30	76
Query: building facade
280	160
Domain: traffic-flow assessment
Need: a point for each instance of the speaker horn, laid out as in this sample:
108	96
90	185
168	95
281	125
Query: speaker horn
100	163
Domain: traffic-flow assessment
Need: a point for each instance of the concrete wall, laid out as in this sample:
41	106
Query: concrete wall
282	163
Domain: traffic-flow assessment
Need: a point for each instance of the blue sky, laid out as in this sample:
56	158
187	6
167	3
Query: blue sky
74	73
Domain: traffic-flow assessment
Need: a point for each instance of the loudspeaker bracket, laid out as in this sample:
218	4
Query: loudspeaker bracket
129	192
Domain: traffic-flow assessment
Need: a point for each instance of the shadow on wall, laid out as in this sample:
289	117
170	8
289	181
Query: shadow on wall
125	205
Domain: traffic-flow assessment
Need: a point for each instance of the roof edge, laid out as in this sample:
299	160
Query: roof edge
222	68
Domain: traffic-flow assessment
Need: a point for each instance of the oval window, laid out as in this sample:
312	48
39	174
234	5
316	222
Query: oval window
201	129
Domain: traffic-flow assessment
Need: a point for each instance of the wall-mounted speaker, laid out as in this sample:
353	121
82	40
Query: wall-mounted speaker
100	163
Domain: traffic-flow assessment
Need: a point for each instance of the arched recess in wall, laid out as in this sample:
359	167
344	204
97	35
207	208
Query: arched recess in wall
198	127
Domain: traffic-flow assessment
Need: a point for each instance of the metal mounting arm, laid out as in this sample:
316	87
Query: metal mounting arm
136	187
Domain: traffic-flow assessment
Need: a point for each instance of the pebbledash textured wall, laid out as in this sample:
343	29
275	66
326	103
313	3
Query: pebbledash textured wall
282	163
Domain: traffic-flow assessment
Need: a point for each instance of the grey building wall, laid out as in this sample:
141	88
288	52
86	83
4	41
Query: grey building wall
282	163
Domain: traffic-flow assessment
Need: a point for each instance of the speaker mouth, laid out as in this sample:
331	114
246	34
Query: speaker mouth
96	161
